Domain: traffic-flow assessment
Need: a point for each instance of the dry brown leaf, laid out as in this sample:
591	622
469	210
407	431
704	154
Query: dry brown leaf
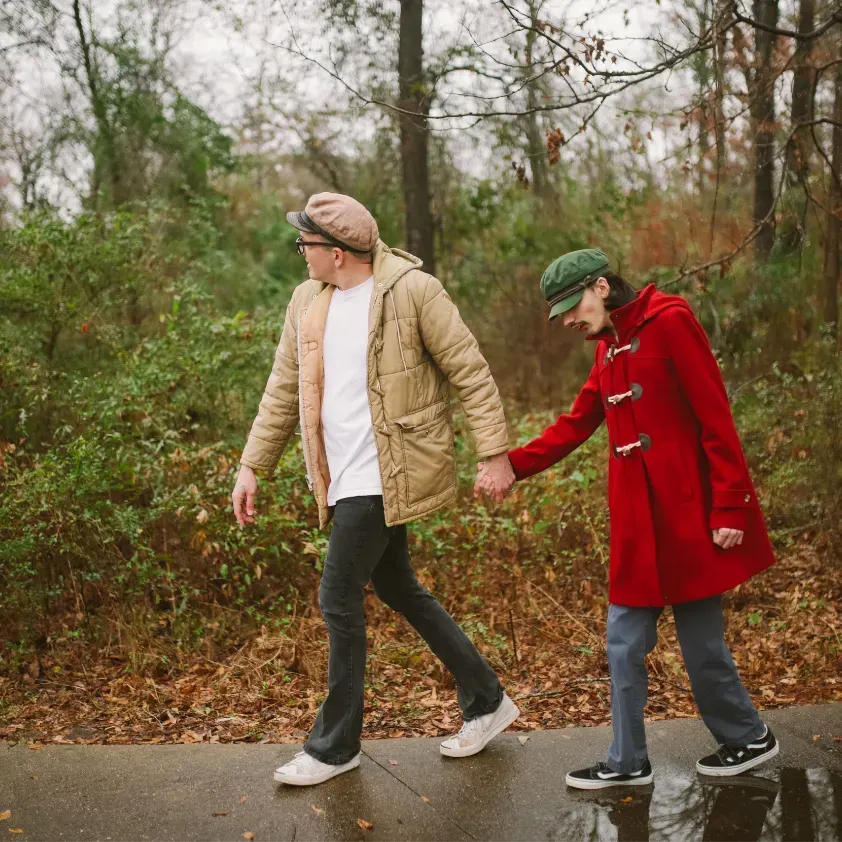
365	825
317	810
248	835
221	813
816	737
627	799
425	799
5	815
35	747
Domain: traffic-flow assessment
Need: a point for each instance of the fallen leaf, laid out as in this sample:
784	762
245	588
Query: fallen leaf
221	813
523	740
627	799
5	815
837	739
244	799
425	799
364	824
393	762
248	835
317	810
816	737
35	747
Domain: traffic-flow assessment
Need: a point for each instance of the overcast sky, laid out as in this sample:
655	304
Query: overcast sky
221	48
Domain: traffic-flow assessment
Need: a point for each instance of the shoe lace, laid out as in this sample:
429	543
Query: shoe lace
303	761
469	730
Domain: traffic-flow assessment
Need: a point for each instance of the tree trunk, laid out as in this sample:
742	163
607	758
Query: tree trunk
104	151
723	17
834	203
535	145
797	153
762	108
802	104
415	134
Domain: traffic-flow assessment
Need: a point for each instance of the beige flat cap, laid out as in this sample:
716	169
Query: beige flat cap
339	218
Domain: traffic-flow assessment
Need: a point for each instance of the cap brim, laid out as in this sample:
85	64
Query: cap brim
566	304
300	220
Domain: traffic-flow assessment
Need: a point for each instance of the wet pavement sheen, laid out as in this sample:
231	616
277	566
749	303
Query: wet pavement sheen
405	790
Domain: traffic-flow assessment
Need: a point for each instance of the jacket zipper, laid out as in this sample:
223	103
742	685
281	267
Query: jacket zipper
304	443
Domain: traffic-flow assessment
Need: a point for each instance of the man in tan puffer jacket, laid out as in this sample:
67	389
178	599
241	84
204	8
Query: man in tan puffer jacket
369	350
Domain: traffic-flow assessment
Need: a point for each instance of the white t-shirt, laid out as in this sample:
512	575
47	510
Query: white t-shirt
346	415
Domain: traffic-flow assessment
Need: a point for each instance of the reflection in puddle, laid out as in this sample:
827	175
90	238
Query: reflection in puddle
790	805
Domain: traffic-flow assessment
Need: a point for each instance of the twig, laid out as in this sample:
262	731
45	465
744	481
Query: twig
565	611
514	639
553	693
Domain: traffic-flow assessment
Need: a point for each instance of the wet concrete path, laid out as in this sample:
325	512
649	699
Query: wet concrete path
406	791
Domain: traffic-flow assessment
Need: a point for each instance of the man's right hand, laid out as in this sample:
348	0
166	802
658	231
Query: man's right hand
243	495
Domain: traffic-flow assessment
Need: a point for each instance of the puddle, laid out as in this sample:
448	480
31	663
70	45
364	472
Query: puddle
791	805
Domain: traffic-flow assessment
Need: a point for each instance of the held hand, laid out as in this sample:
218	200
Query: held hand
495	477
242	496
727	538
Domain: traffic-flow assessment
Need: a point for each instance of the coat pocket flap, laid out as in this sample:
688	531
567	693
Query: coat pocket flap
422	418
732	498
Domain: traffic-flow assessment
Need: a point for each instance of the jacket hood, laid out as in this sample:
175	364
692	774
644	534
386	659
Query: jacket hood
392	264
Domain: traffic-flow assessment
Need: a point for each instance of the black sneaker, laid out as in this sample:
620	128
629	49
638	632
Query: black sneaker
732	760
601	777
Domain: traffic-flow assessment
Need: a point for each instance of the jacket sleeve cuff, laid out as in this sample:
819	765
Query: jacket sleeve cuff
521	463
728	519
267	470
488	452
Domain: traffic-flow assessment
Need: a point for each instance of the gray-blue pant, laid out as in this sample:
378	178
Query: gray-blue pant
722	700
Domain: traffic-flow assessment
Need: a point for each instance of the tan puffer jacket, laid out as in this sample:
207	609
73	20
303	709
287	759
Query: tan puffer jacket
418	346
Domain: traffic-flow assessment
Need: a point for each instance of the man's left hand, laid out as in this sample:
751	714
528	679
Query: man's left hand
727	538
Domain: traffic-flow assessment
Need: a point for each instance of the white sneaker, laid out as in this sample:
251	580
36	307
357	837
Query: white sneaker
475	735
305	770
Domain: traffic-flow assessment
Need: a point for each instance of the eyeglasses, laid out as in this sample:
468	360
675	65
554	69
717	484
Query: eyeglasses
301	242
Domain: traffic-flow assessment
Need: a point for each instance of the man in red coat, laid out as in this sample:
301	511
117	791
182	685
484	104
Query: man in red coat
686	525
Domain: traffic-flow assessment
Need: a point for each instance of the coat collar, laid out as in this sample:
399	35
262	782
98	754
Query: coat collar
630	317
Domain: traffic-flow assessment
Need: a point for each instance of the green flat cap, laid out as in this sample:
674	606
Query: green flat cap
565	279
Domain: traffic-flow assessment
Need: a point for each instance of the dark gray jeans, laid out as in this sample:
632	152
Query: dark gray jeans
722	700
362	549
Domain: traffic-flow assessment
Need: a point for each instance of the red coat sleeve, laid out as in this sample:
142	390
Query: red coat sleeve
564	435
701	382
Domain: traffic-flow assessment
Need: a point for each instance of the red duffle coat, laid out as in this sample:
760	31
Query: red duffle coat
660	389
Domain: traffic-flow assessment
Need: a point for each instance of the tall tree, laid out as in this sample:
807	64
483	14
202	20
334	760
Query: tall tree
802	101
106	167
414	100
535	145
798	163
762	110
834	208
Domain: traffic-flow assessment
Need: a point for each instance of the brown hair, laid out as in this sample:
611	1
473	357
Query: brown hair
622	292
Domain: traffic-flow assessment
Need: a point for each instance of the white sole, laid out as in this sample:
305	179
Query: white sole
578	783
501	726
742	767
291	780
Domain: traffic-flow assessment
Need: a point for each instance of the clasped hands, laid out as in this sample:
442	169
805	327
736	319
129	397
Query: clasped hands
495	477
